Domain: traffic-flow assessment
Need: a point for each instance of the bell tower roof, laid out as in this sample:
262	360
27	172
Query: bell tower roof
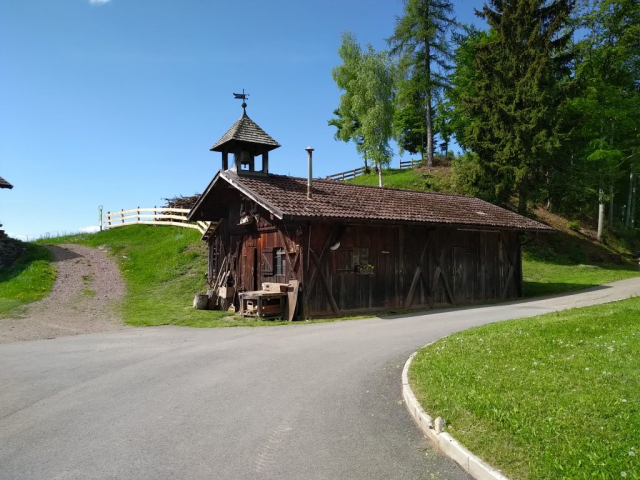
245	130
246	141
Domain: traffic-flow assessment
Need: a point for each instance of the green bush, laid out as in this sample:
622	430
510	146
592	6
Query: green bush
574	225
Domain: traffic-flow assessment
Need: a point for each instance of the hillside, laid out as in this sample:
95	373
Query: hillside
162	267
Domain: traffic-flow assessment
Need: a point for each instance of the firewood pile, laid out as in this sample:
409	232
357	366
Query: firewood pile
182	202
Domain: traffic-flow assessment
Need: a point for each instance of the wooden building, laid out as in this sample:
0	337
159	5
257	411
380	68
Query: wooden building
353	248
4	183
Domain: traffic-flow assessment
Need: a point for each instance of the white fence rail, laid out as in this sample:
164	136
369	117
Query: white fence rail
153	216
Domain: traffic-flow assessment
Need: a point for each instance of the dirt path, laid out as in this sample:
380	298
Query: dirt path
87	286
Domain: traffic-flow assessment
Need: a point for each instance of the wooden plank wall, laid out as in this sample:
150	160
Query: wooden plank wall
413	266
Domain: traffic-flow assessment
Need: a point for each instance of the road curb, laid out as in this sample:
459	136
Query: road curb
448	445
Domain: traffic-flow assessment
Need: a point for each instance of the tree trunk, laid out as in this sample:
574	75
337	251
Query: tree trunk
427	66
627	220
600	214
548	191
380	175
522	197
610	206
632	225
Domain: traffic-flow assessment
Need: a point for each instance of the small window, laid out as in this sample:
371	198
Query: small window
344	260
360	256
349	260
279	262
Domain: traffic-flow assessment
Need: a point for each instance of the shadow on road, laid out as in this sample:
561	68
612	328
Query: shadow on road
61	254
523	301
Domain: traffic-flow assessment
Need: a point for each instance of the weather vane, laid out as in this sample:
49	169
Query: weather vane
242	96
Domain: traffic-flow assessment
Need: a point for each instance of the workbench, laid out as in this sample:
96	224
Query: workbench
263	303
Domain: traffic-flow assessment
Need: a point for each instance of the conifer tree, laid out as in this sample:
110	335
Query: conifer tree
521	72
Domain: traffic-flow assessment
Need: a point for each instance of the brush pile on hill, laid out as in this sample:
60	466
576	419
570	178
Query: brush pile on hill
182	202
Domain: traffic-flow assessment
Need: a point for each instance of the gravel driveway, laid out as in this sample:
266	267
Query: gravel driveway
87	287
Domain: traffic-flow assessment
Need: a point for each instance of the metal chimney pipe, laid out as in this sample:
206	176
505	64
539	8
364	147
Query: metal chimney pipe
310	158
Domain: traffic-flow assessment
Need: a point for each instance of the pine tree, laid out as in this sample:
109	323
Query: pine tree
421	44
515	125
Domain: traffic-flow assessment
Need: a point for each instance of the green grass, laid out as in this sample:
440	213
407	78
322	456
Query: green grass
555	396
544	278
163	267
410	179
29	279
561	264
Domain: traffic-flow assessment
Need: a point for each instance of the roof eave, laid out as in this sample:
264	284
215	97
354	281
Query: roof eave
278	213
195	208
416	222
220	147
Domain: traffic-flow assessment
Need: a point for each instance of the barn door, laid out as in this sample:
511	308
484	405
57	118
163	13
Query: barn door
463	274
250	263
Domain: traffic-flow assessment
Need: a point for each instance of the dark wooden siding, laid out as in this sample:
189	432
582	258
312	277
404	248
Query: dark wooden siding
413	266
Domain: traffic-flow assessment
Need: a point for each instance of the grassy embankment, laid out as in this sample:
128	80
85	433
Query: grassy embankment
163	268
552	263
554	396
28	279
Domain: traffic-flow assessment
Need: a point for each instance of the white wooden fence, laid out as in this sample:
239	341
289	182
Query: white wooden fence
154	216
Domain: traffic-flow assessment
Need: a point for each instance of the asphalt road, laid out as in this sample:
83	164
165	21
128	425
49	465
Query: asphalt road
318	401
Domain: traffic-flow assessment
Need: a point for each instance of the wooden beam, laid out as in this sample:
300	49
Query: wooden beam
150	209
144	222
512	267
417	276
440	271
325	283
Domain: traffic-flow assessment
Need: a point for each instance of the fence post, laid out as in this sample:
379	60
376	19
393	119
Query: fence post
138	217
109	218
122	214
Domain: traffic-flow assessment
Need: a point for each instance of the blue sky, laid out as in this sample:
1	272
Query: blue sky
118	102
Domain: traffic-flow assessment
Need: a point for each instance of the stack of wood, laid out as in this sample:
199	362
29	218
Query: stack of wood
221	295
182	202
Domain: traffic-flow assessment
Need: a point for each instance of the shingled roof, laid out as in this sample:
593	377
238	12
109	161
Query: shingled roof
4	183
245	130
286	198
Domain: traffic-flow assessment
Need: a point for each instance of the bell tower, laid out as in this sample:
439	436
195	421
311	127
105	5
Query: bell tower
245	141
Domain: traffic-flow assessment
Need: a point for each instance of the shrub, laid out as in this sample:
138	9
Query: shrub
574	225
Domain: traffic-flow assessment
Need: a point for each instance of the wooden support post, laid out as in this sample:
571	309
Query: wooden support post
109	218
138	214
418	275
511	259
122	214
265	162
